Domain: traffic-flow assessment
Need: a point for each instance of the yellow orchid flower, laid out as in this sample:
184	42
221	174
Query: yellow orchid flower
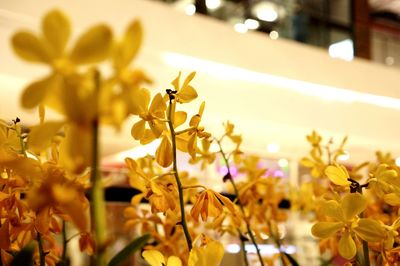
49	48
158	190
314	139
185	93
204	154
189	138
338	175
210	204
156	258
153	115
346	220
209	253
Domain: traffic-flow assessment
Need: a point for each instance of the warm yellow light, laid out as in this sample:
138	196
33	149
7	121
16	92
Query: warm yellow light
223	71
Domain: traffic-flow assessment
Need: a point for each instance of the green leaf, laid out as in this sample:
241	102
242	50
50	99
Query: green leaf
291	259
25	256
127	251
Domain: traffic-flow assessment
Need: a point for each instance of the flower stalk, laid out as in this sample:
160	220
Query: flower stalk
236	191
42	255
176	175
98	206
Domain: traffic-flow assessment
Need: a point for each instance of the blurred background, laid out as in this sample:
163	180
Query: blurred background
276	69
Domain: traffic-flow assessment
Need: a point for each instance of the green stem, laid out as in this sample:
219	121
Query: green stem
98	207
65	242
252	238
177	179
42	261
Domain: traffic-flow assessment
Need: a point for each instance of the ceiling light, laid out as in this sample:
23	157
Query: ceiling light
273	148
274	35
252	24
343	50
213	4
240	27
190	9
222	71
266	11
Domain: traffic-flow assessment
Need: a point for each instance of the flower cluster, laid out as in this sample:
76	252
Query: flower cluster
354	208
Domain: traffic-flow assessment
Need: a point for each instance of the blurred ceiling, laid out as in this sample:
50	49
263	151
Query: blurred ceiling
275	91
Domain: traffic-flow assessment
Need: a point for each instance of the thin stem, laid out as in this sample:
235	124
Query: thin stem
364	243
98	206
19	134
178	181
252	238
243	245
42	261
277	243
65	242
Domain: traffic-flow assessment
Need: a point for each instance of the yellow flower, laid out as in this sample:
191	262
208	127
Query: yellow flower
314	139
346	220
209	253
53	191
159	190
189	137
49	48
210	204
156	258
153	115
204	154
185	93
338	175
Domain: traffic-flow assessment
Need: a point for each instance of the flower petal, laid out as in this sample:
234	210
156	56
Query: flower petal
370	230
40	136
347	246
353	204
35	93
140	101
93	46
57	30
129	46
174	261
338	175
30	48
326	229
153	257
164	152
179	118
137	130
392	199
